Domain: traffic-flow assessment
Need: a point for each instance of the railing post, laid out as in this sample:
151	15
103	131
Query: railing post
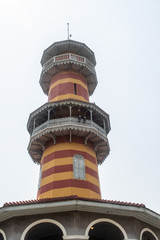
91	117
34	124
70	111
104	125
49	110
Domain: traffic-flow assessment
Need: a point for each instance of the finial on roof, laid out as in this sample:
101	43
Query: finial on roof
69	35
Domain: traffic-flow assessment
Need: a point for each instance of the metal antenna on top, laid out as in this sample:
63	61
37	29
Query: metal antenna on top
68	30
68	35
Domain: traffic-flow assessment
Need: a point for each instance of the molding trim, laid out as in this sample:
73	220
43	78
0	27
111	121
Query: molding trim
148	230
3	234
75	237
139	212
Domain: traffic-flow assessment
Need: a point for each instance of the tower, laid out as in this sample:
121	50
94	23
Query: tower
68	134
68	138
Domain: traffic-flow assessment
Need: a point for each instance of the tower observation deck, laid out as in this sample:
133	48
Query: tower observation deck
68	134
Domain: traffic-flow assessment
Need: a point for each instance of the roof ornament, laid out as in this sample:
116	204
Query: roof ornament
68	35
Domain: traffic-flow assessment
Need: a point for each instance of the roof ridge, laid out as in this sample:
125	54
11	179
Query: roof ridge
72	197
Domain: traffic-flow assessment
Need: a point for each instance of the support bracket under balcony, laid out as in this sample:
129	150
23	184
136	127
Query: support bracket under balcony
86	138
41	144
97	144
53	138
70	136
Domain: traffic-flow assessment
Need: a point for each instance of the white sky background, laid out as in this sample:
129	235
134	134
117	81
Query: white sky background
125	36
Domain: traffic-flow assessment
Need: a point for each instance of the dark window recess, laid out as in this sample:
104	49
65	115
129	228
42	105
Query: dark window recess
40	175
75	88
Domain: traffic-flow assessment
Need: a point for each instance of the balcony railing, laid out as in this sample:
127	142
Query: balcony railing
68	121
64	58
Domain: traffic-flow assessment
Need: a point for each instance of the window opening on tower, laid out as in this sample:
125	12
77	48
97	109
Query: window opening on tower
75	88
78	167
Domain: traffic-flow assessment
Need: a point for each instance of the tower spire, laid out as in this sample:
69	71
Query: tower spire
68	34
68	31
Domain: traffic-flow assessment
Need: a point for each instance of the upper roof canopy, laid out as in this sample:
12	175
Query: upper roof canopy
61	47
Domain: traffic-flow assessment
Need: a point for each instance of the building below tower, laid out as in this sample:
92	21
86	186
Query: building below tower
75	218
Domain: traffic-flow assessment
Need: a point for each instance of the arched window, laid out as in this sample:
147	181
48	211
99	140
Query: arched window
78	167
2	235
44	229
148	234
104	228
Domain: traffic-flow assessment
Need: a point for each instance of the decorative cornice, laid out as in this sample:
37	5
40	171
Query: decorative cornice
74	203
52	127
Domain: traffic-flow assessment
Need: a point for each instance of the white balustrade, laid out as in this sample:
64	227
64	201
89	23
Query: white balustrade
62	122
65	58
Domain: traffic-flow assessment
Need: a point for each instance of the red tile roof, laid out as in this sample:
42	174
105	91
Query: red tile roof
73	197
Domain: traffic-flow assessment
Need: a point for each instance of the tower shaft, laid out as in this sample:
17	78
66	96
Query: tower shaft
68	134
68	85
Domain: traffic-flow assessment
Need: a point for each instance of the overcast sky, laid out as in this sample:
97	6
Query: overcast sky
125	37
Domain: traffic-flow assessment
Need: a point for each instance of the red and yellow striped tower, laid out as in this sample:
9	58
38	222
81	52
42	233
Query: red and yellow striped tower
68	134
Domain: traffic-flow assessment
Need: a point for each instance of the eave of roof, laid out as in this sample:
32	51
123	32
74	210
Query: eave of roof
72	203
60	46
